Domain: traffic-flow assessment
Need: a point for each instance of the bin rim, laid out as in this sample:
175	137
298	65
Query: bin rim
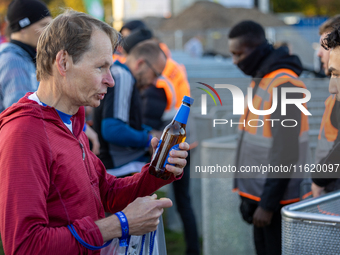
291	211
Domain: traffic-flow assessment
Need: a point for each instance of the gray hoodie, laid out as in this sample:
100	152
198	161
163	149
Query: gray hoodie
17	74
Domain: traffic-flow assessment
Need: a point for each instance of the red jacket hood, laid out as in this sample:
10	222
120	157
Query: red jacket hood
27	107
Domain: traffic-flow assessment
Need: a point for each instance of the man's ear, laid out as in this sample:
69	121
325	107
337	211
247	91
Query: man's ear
138	63
63	62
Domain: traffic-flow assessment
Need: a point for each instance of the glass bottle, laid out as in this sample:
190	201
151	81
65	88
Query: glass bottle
172	136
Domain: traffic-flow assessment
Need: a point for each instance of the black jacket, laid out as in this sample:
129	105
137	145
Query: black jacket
153	105
285	149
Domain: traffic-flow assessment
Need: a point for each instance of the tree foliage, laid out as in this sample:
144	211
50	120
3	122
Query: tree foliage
56	6
308	7
76	5
3	6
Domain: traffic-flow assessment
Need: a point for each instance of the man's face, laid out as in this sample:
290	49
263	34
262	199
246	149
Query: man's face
323	54
334	71
89	78
33	32
238	50
125	32
148	72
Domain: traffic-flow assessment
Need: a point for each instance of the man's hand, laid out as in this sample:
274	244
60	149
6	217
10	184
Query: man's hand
317	190
261	217
95	146
177	157
93	137
143	214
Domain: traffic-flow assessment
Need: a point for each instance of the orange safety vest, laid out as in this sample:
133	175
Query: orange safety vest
263	104
328	133
169	89
119	57
174	82
257	140
165	49
174	73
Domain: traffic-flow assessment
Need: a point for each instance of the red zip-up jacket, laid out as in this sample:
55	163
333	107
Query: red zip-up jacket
49	179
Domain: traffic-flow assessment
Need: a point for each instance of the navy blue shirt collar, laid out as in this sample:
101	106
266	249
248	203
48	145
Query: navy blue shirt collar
66	118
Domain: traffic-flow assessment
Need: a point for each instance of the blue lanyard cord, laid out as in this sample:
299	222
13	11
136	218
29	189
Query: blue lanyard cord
128	243
141	249
82	242
152	241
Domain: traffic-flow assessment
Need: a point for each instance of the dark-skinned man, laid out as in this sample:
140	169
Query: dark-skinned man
269	144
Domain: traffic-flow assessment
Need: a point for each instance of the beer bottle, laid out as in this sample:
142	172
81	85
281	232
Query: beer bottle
172	136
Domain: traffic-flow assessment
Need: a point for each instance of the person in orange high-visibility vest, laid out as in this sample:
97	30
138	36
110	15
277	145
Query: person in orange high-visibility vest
268	144
175	84
173	79
329	124
328	130
159	105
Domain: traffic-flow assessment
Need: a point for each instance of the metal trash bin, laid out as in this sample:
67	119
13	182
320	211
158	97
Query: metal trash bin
312	226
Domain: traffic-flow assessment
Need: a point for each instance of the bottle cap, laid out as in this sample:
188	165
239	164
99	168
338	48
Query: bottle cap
188	100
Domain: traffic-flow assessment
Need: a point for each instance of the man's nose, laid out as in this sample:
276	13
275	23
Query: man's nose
235	60
108	79
333	89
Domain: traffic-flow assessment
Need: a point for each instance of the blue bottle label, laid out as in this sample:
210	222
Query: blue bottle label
175	147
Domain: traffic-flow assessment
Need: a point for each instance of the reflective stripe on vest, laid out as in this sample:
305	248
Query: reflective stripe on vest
258	141
175	74
328	132
170	110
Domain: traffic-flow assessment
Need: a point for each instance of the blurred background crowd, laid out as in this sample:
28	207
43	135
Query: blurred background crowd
195	35
175	22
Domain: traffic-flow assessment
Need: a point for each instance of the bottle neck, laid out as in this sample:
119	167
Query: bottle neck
182	113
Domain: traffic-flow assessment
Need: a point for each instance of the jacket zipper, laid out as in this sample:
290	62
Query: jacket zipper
86	165
82	148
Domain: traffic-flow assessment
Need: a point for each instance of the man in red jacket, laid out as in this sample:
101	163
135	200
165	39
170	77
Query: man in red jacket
50	181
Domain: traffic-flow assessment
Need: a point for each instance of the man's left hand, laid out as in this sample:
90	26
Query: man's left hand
317	190
262	217
177	157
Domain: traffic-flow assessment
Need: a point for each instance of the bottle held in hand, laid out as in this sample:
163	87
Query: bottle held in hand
172	136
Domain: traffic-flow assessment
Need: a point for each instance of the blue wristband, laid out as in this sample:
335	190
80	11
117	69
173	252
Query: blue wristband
83	243
123	241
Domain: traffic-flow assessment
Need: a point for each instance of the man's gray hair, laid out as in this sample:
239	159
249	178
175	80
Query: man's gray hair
70	31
